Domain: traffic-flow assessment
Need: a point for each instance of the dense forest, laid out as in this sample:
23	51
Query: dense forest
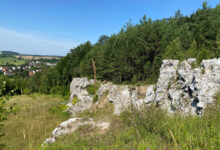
136	52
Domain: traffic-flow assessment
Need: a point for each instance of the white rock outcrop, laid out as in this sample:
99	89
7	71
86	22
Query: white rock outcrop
182	86
70	126
185	87
78	89
120	95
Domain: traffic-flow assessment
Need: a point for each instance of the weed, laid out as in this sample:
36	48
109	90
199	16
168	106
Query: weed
95	98
203	70
182	95
75	100
169	85
106	92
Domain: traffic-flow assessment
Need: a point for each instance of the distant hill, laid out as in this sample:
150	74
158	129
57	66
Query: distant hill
16	54
9	53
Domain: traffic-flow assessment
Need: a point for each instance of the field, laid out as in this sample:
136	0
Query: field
27	57
11	60
37	116
149	128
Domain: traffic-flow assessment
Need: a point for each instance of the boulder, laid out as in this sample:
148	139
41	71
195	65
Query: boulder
71	125
188	88
78	89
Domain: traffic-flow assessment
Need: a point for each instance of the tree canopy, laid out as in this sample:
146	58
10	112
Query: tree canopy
136	52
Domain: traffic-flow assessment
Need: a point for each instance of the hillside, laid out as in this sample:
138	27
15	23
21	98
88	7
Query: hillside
108	116
154	85
29	126
135	54
11	53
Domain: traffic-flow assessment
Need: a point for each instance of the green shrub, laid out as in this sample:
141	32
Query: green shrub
92	89
60	90
27	91
203	54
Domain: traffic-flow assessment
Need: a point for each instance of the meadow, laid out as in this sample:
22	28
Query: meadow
150	128
147	129
11	61
35	118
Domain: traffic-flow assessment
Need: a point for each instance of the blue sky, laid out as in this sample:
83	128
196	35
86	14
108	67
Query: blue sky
53	27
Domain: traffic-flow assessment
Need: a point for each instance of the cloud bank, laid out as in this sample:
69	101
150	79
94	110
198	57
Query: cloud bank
29	44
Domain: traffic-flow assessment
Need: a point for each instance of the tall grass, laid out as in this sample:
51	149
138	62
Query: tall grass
36	117
150	128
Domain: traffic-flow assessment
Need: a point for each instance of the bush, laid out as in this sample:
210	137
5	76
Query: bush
60	90
91	89
27	91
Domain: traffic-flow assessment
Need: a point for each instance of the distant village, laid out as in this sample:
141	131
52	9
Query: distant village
28	69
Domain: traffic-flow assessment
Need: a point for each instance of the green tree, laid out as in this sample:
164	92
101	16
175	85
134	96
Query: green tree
173	50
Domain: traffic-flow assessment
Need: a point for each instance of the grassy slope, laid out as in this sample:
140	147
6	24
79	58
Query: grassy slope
11	60
150	128
33	122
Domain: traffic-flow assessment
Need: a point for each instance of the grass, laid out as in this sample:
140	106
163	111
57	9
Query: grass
11	61
148	128
134	129
36	117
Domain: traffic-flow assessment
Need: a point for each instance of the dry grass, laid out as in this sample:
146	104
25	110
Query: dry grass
33	122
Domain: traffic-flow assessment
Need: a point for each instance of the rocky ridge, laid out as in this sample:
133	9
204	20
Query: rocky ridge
183	87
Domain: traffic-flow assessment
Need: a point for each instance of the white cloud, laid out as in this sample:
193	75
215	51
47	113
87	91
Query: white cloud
29	44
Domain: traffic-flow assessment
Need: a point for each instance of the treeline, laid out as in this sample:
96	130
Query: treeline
135	54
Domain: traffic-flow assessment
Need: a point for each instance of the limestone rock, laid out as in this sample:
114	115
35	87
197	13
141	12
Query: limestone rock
181	87
186	88
70	126
150	94
78	89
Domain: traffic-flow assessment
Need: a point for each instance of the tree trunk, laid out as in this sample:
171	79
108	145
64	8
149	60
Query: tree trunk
94	70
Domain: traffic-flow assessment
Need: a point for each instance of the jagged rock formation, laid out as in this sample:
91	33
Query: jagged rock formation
187	88
69	126
182	86
78	89
122	95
